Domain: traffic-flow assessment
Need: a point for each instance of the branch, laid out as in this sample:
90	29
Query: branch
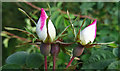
74	31
38	8
15	36
33	6
64	44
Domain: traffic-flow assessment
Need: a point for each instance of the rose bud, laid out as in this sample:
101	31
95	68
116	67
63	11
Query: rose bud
41	28
88	34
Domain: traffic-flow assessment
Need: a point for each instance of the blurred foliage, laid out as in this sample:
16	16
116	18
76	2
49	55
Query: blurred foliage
98	57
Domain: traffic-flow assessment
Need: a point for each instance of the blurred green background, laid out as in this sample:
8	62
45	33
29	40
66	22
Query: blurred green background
107	27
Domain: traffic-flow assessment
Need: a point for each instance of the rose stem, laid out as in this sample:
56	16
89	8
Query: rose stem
45	63
70	62
54	61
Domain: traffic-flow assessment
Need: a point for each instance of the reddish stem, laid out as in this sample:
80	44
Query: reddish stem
54	61
70	62
58	10
15	36
45	63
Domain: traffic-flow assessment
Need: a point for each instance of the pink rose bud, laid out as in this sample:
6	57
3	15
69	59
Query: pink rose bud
89	33
41	27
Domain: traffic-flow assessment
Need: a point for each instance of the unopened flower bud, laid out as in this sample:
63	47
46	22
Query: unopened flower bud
45	48
89	33
77	51
55	49
41	28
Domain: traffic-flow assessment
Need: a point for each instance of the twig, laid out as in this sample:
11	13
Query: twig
10	28
33	6
62	32
26	15
74	32
49	9
28	3
15	36
29	43
91	45
84	16
65	44
78	38
82	24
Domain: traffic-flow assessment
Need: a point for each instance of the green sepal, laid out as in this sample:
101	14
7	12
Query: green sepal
30	32
78	35
21	10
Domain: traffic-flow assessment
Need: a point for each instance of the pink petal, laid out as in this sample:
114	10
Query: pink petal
43	17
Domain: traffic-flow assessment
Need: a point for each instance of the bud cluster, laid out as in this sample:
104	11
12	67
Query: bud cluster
47	48
47	34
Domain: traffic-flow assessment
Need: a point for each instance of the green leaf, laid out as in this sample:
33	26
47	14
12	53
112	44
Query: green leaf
100	5
26	15
34	16
11	66
53	9
59	4
28	23
5	42
58	21
85	57
71	16
30	32
62	32
4	34
18	58
34	60
99	59
10	28
54	15
34	40
115	52
114	65
66	23
113	45
78	34
62	58
85	7
65	51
